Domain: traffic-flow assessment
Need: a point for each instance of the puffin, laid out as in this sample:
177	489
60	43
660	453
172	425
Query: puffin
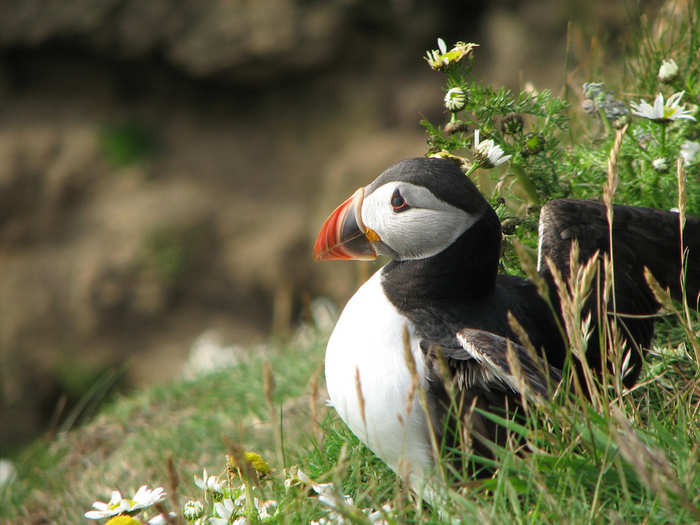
427	340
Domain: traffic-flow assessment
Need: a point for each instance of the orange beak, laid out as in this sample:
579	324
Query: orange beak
343	236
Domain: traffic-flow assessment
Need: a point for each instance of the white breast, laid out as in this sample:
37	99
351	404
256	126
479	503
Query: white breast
369	337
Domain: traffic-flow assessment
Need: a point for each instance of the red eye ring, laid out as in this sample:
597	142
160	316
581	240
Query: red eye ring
397	201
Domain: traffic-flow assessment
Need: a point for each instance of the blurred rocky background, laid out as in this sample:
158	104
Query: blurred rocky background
165	166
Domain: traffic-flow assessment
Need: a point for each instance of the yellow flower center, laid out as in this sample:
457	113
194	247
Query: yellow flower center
113	506
123	519
258	462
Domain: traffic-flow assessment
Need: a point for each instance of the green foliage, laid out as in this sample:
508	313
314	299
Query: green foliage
549	162
126	143
559	152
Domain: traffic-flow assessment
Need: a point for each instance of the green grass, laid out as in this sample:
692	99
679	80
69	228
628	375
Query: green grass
636	460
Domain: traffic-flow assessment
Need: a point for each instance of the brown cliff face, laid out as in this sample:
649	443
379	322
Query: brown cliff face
164	167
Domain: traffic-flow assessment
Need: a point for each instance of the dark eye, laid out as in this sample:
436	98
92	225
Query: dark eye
398	202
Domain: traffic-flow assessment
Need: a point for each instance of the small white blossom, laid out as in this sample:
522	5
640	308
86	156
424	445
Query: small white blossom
193	510
455	99
224	510
668	70
487	153
8	472
439	59
660	111
143	498
209	483
659	164
146	497
689	152
115	506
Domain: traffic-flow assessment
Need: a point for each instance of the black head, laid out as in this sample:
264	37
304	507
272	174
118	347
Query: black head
440	232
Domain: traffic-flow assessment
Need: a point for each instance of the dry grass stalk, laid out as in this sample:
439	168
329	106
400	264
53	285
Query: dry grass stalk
163	511
682	205
269	393
360	397
573	295
173	482
516	370
608	193
618	354
572	298
613	177
422	398
682	197
529	266
402	494
663	297
538	359
466	434
314	403
652	465
268	385
412	370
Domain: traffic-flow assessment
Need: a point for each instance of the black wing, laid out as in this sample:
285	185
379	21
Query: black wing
642	237
488	372
508	362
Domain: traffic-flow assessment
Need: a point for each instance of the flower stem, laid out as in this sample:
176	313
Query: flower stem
472	169
526	183
606	123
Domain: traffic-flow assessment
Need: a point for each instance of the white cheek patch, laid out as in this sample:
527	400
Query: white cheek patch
428	227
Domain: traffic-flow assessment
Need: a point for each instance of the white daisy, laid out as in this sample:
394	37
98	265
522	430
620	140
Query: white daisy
143	498
439	59
689	152
116	505
224	510
209	483
487	153
668	70
660	111
455	99
146	497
